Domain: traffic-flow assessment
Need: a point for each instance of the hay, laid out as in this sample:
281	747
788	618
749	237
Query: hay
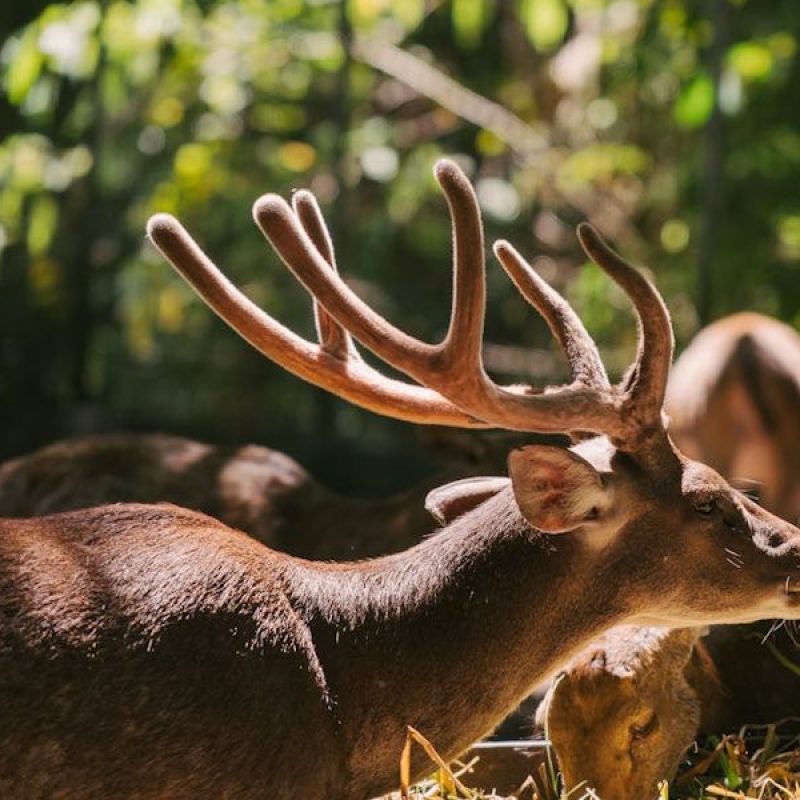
761	762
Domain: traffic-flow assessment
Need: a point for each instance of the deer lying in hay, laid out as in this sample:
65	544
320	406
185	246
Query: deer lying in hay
622	715
260	491
151	651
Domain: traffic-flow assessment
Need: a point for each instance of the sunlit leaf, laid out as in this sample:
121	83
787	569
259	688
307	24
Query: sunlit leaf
364	13
752	60
42	224
297	156
695	103
489	144
28	163
545	22
601	161
788	230
409	12
192	161
470	20
674	235
24	68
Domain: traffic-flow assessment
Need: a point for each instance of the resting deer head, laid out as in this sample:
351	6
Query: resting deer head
291	662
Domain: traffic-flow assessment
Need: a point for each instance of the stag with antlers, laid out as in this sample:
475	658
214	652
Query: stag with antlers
150	651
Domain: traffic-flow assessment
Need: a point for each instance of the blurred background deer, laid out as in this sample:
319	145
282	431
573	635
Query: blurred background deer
623	713
258	490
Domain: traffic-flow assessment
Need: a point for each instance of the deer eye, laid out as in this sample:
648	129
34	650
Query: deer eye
644	729
705	507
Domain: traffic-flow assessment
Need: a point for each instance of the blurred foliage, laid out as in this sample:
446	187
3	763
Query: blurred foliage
113	109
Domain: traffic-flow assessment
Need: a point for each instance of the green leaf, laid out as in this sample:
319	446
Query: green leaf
42	225
410	13
695	103
470	20
545	22
24	68
753	61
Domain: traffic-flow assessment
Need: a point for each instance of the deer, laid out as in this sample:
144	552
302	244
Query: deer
622	715
641	696
256	489
153	651
733	401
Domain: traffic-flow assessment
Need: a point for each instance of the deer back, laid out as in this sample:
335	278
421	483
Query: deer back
734	401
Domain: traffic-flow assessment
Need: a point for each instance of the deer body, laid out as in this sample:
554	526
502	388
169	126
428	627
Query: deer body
166	655
238	649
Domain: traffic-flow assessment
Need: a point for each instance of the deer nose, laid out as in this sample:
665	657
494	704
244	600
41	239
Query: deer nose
775	540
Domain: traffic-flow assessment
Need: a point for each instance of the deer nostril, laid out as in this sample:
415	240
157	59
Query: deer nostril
775	540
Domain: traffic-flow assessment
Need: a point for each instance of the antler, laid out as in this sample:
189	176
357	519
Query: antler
328	364
457	391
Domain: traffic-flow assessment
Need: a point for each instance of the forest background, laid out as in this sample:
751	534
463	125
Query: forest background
674	125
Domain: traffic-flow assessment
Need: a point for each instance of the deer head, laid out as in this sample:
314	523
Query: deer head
622	714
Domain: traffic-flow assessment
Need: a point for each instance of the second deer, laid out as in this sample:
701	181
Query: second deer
258	490
150	651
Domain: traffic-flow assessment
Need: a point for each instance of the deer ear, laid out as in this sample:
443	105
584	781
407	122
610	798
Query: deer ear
556	490
447	502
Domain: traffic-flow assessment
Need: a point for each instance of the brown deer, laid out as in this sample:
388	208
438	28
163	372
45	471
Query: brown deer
260	491
151	651
734	402
623	713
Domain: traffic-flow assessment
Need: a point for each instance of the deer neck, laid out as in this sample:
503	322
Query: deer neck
451	635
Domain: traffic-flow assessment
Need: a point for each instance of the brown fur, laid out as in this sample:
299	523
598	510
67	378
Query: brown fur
255	489
734	401
152	651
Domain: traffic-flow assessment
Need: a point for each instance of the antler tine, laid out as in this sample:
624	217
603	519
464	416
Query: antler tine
333	338
351	379
284	232
461	350
579	347
656	343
